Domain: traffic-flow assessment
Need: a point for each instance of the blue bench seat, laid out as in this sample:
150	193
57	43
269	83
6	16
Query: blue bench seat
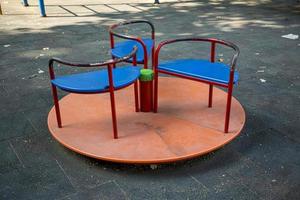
202	69
97	81
122	49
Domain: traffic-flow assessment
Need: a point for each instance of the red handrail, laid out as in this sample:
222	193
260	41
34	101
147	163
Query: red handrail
130	37
212	40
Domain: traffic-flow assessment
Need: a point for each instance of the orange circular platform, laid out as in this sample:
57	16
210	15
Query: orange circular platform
183	128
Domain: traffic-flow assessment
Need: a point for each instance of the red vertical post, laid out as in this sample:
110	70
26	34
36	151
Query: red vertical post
136	96
212	52
134	60
146	95
212	59
155	91
112	45
112	42
153	48
136	89
210	95
229	97
152	54
56	105
112	101
155	104
144	52
54	94
145	59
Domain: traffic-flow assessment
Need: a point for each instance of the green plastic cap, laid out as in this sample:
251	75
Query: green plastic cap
146	75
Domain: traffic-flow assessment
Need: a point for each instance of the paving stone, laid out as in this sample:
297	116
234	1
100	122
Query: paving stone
47	183
259	180
22	103
9	160
84	173
106	191
34	151
215	174
41	151
269	164
38	118
15	125
271	147
289	129
162	183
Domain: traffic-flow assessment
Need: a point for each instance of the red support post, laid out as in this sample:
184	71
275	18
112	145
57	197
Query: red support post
153	51
228	106
112	42
136	96
145	60
146	96
54	94
56	105
155	91
155	104
210	96
112	45
212	59
153	48
145	54
136	89
134	62
112	101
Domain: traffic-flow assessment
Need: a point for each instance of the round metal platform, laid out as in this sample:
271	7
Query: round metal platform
183	128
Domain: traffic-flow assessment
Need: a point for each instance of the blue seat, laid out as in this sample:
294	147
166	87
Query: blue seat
202	69
107	80
123	48
207	71
97	81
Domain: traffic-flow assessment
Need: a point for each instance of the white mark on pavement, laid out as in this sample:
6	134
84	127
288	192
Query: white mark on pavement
262	80
291	36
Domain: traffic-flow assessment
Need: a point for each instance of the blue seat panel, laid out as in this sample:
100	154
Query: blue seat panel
122	49
97	81
202	69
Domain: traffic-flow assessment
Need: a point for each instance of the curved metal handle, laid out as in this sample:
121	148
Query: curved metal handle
98	64
111	28
211	40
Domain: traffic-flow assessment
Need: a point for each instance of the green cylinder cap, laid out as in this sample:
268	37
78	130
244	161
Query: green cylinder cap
146	75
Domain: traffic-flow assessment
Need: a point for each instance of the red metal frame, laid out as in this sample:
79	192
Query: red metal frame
136	87
110	65
212	59
229	86
135	38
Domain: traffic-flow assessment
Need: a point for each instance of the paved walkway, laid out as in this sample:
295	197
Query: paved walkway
262	163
